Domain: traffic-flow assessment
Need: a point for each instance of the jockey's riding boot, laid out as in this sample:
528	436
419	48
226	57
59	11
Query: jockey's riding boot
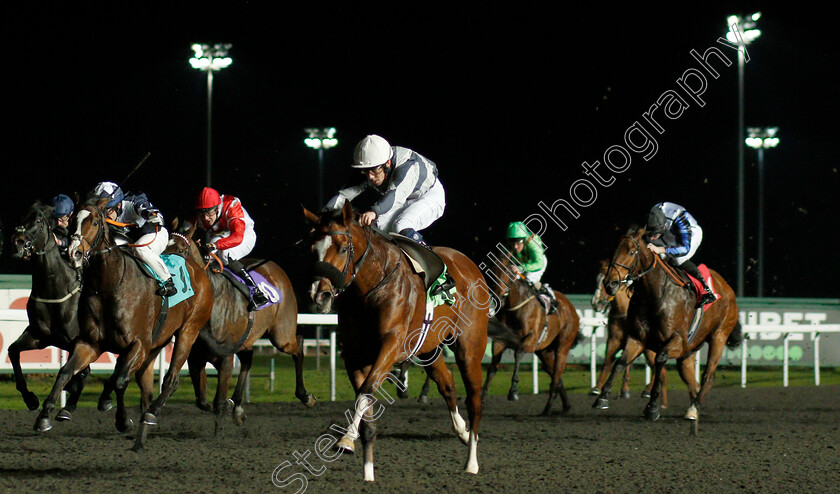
705	298
258	299
545	290
414	235
167	289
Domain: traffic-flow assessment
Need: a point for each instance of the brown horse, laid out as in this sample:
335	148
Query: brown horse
119	312
381	314
617	305
659	318
52	305
550	337
233	329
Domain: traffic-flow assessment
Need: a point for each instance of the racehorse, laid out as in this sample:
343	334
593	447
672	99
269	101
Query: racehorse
52	305
233	329
550	336
616	336
381	312
119	312
659	318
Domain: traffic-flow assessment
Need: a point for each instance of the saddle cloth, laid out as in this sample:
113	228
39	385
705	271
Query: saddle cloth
440	287
177	267
270	291
698	287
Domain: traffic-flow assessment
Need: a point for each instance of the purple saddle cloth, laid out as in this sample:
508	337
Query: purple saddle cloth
270	291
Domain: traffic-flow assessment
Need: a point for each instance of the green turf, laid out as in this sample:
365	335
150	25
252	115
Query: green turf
576	380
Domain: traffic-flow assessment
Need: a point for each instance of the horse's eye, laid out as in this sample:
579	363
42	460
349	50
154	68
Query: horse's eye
343	250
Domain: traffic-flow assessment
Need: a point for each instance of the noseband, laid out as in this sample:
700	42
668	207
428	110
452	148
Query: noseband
630	278
338	279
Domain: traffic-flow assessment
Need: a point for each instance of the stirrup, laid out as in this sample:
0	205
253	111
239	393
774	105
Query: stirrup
257	300
707	298
167	289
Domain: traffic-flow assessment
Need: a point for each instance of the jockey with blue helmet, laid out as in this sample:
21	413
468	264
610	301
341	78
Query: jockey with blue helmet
63	208
133	219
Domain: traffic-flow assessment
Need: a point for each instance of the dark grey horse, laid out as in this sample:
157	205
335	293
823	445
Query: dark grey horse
53	302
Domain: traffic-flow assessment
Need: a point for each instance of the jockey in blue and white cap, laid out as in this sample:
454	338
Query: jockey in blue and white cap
134	219
411	197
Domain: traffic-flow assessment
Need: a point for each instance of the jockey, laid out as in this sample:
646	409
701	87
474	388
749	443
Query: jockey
229	231
411	196
134	219
529	256
673	232
61	214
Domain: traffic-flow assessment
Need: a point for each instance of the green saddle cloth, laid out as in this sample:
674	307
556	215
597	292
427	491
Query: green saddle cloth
442	291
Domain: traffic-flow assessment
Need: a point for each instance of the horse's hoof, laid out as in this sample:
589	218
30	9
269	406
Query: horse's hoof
105	405
149	419
63	415
601	404
239	415
652	414
403	394
309	400
692	413
203	406
513	396
423	399
594	392
126	426
31	401
346	444
625	395
646	394
43	424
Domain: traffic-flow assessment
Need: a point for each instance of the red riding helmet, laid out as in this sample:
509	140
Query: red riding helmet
208	198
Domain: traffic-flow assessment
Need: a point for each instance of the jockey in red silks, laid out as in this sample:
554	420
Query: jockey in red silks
229	232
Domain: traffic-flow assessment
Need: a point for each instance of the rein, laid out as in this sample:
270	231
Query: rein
670	270
341	284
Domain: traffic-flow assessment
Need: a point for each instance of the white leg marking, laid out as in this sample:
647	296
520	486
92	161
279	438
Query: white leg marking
472	459
459	426
369	472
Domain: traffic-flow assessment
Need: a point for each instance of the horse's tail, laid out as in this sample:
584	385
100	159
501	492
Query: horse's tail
500	332
736	337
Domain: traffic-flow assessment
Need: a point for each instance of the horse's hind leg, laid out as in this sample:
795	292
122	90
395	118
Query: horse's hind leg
498	349
296	352
424	391
198	375
440	374
469	350
24	342
652	409
402	393
246	358
127	364
513	394
613	346
554	359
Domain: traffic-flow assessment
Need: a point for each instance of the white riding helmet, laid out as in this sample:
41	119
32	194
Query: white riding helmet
109	190
372	151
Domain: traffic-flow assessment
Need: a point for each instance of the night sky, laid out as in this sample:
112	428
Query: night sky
508	102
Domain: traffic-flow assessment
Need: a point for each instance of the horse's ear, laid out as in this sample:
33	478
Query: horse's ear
191	230
174	225
605	263
309	216
347	214
101	203
76	197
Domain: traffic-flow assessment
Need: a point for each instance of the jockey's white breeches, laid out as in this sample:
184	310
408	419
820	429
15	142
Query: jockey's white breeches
696	238
150	254
416	213
249	240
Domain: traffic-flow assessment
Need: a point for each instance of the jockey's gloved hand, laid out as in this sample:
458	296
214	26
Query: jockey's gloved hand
206	249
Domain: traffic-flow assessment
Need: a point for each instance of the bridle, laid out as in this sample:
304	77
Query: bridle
630	278
97	240
41	232
341	280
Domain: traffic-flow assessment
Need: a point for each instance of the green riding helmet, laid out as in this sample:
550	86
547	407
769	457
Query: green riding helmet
517	229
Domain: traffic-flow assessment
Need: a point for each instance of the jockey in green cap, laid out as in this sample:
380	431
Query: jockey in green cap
529	257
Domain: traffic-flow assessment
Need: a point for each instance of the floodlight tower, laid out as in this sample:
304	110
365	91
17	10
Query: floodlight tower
210	58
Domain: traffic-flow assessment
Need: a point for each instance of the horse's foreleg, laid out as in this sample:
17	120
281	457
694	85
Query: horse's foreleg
368	435
498	350
74	389
513	394
24	342
716	346
632	349
424	391
402	393
128	363
246	358
652	409
83	354
650	358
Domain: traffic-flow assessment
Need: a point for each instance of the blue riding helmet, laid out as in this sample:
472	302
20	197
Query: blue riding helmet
111	191
63	206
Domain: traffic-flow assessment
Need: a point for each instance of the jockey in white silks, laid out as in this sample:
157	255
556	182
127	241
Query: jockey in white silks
412	197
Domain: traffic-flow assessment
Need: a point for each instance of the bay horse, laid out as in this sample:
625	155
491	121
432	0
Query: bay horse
119	312
616	307
53	302
550	336
659	317
380	303
233	330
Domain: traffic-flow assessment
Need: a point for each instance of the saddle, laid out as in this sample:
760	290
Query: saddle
440	286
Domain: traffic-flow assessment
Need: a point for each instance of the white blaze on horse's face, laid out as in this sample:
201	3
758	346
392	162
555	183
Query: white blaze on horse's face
76	239
322	246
